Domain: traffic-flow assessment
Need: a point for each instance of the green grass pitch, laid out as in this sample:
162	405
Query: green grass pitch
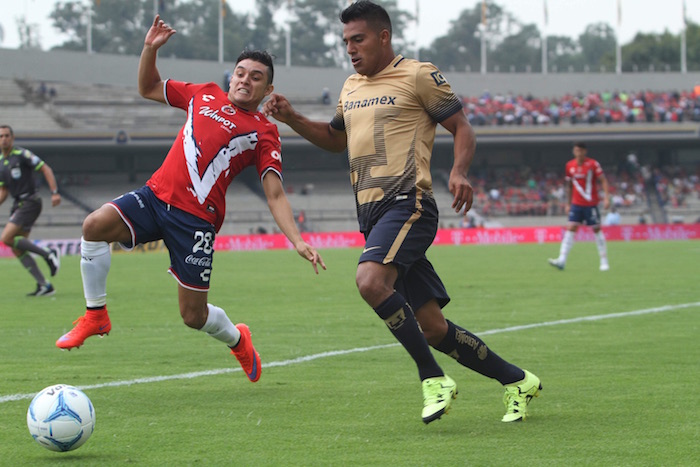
617	391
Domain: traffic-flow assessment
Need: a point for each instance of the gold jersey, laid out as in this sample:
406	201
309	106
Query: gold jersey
390	120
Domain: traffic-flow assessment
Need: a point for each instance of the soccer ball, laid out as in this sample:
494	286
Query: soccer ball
61	418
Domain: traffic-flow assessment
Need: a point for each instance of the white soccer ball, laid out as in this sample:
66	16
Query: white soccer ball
61	418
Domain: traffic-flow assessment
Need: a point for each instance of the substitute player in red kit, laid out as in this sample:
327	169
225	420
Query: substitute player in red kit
582	177
183	203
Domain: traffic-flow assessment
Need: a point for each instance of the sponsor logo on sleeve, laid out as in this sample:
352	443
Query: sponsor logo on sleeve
438	78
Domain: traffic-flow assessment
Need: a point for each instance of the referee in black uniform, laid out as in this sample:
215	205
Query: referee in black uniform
17	169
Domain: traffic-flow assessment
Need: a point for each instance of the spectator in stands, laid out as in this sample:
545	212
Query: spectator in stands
42	90
612	217
592	108
467	222
396	210
227	80
17	169
183	203
301	221
326	96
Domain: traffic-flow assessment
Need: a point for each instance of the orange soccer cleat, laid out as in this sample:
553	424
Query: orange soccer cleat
94	322
247	355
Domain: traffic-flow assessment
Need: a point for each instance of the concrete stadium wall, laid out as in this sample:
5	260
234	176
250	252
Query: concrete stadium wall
303	82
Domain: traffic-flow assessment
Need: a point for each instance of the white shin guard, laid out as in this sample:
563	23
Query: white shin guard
220	327
95	260
566	243
602	246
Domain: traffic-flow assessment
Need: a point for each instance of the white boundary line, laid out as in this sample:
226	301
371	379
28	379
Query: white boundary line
334	353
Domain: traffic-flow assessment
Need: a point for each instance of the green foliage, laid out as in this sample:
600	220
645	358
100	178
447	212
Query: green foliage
516	46
266	35
563	52
197	23
460	47
652	52
70	18
597	41
119	27
520	50
316	32
616	391
693	46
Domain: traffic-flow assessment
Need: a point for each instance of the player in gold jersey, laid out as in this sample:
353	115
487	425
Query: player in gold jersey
386	117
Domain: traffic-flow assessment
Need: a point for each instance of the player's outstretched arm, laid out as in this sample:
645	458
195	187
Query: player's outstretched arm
149	81
464	147
3	194
282	212
319	133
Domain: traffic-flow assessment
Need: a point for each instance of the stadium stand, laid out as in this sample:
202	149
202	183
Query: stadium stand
99	108
112	108
324	198
580	108
62	110
11	93
24	113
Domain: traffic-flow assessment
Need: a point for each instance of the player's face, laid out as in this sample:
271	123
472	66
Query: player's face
579	153
366	47
6	139
248	85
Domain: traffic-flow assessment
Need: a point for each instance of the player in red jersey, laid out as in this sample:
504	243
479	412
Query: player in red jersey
582	177
183	203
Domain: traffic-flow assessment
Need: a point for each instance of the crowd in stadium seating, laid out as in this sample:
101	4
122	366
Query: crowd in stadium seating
676	187
541	193
604	107
491	109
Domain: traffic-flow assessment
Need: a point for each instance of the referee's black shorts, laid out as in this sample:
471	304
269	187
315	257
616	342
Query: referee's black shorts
25	212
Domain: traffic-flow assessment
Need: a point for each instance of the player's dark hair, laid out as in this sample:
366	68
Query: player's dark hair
364	10
260	56
580	144
12	133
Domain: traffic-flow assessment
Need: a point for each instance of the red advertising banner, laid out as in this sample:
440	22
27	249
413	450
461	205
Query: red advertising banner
627	233
469	237
553	234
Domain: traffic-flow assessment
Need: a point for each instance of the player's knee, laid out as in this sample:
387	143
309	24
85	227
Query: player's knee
372	289
91	227
105	225
192	317
434	331
375	282
432	322
7	240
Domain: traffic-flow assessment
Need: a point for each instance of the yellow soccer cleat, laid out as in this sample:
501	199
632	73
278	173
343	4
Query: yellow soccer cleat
518	396
438	394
